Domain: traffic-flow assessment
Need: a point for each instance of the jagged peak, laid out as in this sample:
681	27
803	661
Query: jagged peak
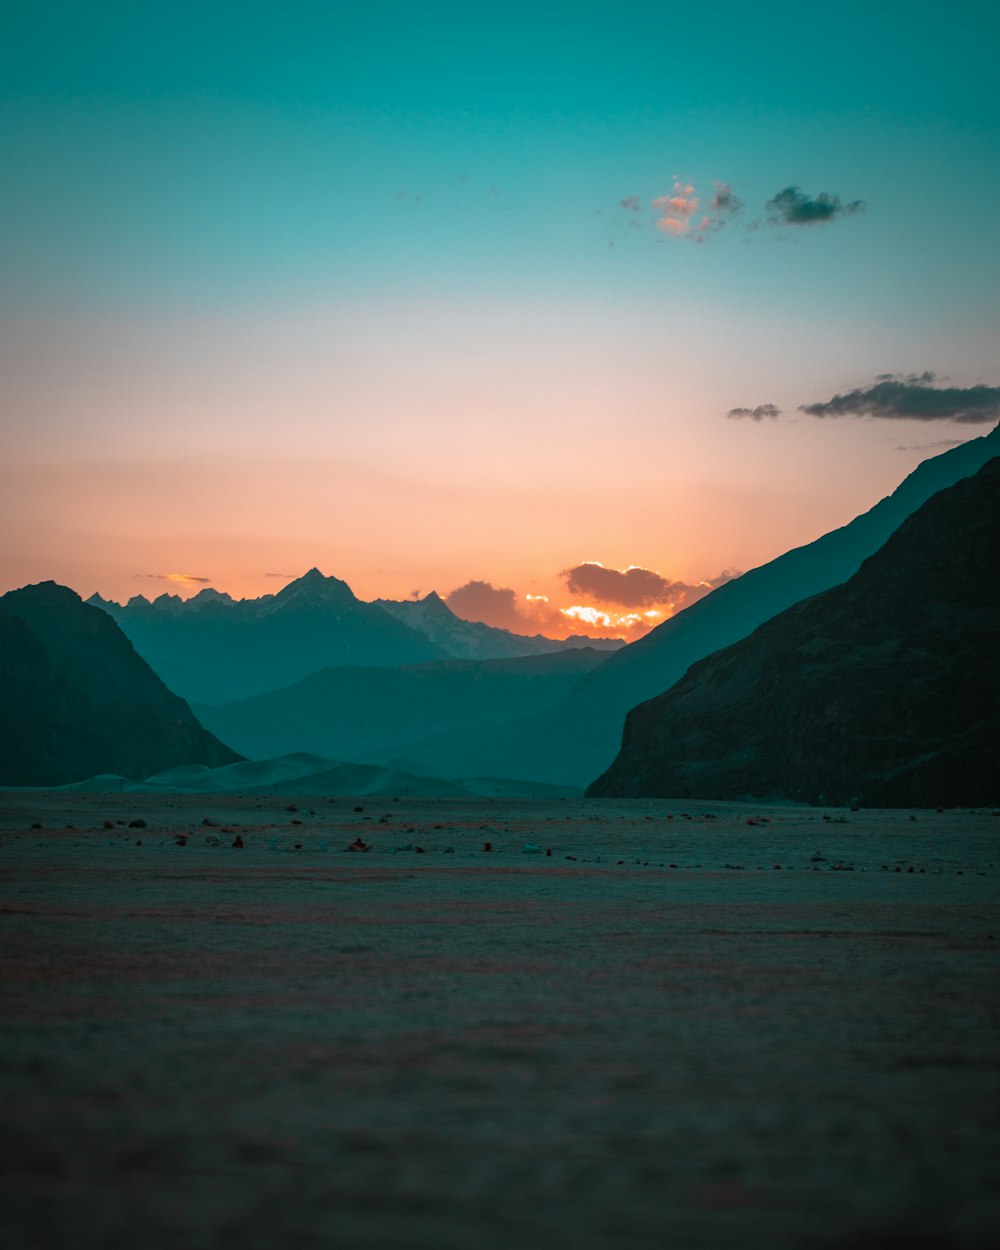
315	587
207	594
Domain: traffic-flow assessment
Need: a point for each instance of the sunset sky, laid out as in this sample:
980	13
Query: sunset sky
437	295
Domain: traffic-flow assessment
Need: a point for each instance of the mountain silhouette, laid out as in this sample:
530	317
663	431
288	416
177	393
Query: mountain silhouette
578	739
76	699
883	691
221	650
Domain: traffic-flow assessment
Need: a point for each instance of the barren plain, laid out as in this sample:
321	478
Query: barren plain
703	1025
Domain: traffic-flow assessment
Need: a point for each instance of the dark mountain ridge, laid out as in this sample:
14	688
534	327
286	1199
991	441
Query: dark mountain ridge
578	739
76	699
883	691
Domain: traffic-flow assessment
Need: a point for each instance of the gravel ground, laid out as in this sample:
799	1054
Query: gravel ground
653	1036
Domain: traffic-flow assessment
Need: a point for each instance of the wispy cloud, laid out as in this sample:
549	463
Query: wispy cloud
913	397
677	213
676	209
754	414
631	202
725	202
792	207
176	579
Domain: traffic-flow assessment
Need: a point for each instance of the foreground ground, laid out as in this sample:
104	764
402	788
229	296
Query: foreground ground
654	1036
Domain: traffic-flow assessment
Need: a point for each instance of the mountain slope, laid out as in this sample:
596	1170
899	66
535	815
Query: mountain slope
373	714
884	690
221	650
579	738
76	699
474	640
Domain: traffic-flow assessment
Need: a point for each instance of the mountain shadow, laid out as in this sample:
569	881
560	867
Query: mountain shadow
76	699
375	714
884	691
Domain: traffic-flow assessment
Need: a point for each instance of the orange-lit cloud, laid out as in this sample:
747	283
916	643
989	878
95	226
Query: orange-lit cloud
482	601
636	587
677	210
177	579
627	603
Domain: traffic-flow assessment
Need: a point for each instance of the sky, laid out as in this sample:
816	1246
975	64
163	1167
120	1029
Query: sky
566	311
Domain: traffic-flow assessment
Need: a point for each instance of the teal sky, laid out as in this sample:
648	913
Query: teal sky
401	243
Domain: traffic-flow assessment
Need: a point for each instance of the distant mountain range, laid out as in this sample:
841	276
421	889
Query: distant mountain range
473	640
212	649
882	691
76	699
375	714
579	737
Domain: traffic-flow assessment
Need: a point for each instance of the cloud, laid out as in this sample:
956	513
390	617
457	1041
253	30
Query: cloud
177	579
633	587
677	211
913	397
792	207
754	414
631	202
636	587
482	601
725	202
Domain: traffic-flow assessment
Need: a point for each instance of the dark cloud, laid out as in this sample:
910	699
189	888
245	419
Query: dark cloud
630	588
637	587
793	207
482	601
725	202
913	397
754	414
631	202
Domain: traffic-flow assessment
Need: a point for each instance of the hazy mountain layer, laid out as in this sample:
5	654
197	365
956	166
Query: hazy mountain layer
473	640
883	691
218	650
580	737
76	699
373	714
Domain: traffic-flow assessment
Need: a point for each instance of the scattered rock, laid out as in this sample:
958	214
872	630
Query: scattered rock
138	823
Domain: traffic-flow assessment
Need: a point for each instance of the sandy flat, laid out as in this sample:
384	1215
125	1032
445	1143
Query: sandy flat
653	1036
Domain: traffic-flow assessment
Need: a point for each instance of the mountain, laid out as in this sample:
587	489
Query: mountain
214	650
578	739
884	691
374	714
76	699
474	640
